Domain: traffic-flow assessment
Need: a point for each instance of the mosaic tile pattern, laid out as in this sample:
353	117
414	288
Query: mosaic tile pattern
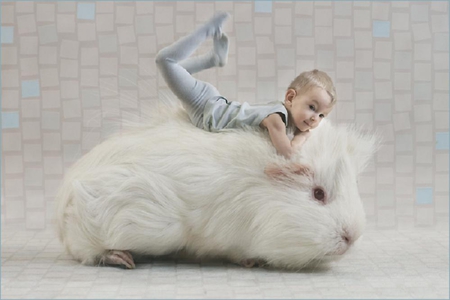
385	264
71	71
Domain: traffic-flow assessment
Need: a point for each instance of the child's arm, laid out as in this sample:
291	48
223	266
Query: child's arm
277	133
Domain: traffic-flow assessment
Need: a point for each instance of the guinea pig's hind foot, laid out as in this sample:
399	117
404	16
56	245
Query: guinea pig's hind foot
250	263
118	258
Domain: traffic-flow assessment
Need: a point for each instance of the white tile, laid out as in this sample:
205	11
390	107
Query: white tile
403	60
422	51
266	68
242	12
69	49
419	13
422	72
304	8
305	46
441	121
345	69
440	61
386	131
383	90
424	133
404	185
381	11
345	48
345	91
246	56
126	34
439	23
35	198
323	35
441	164
364	59
422	113
404	163
52	141
402	81
383	50
361	18
86	32
68	68
34	177
342	28
247	79
421	31
400	21
401	121
13	164
32	153
323	17
283	35
382	70
283	16
424	154
31	130
31	108
70	89
441	81
125	14
441	183
402	41
263	25
385	176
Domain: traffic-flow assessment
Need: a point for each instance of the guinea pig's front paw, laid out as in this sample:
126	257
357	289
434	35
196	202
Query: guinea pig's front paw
119	258
250	263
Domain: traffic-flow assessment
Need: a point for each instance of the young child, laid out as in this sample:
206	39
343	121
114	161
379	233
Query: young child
308	100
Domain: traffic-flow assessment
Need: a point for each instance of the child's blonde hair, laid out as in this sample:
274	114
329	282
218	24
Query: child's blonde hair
309	79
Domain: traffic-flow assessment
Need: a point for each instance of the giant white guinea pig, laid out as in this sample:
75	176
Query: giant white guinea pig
168	186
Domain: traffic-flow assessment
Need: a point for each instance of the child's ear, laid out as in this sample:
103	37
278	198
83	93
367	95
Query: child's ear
283	172
290	95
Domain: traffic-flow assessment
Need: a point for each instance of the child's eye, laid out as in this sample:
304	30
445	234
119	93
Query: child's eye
312	107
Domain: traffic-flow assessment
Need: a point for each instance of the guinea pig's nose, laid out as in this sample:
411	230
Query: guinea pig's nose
347	237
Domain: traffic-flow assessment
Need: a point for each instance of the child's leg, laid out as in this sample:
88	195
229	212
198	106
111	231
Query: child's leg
216	57
192	92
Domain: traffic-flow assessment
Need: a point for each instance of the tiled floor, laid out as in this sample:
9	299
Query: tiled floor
385	264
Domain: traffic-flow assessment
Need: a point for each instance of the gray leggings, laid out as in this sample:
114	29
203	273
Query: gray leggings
177	71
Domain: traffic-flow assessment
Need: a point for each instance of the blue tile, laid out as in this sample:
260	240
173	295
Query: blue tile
86	11
263	6
424	195
7	35
30	88
381	28
442	140
10	119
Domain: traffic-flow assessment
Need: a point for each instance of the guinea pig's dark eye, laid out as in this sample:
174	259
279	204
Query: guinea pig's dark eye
319	194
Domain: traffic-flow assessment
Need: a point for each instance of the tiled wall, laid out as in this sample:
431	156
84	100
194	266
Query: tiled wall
71	70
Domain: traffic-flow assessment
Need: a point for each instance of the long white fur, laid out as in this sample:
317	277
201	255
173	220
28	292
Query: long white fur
167	185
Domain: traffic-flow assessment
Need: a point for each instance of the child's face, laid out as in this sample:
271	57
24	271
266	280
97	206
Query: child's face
309	108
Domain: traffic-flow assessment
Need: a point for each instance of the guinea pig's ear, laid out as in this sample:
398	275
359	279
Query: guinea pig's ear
283	172
361	147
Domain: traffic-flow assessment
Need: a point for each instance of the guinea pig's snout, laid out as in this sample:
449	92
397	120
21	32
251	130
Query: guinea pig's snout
347	237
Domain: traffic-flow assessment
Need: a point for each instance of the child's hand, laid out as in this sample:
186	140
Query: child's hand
300	138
